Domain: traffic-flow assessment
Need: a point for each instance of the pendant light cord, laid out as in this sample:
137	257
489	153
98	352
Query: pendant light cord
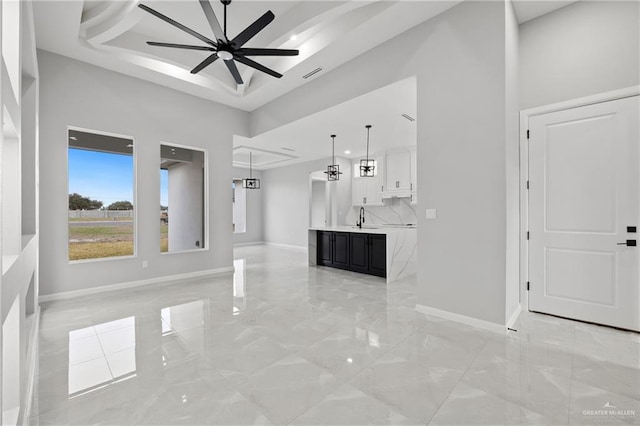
368	126
333	149
250	165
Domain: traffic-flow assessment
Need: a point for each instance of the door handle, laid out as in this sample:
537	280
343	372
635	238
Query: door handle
629	243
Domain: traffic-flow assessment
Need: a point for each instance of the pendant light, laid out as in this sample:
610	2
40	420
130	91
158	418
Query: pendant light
333	170
367	166
250	182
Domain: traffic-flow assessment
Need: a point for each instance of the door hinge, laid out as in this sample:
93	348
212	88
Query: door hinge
527	184
527	235
528	285
527	134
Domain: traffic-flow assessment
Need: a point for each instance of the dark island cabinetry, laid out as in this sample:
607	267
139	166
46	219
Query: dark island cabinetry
353	251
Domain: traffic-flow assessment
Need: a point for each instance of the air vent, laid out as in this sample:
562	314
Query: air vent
316	71
288	149
408	117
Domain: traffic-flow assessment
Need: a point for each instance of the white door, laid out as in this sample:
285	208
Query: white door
584	193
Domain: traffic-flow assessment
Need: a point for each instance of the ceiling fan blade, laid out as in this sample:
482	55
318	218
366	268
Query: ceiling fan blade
213	21
177	24
202	65
248	51
253	29
253	64
234	71
180	46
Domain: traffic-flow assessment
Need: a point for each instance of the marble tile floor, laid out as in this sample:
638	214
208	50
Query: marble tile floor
281	343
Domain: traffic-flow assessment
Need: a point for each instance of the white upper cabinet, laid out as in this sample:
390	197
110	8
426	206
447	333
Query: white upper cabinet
399	173
395	177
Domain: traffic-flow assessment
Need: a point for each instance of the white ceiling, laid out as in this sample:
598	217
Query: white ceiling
310	137
527	10
112	34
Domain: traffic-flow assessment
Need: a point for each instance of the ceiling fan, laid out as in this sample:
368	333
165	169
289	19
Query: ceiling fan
227	50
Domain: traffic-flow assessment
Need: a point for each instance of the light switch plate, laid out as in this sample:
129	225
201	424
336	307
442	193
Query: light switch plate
431	213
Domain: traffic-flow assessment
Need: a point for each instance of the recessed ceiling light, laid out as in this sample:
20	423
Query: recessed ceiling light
293	37
347	152
73	138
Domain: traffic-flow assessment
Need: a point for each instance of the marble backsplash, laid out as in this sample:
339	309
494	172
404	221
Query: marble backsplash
397	211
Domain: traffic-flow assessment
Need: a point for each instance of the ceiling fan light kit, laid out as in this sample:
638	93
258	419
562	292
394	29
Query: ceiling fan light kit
367	166
333	170
229	51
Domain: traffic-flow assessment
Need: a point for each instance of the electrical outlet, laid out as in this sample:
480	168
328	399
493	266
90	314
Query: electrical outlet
431	213
145	264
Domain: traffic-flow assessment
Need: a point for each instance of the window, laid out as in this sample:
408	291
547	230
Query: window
239	207
101	196
182	198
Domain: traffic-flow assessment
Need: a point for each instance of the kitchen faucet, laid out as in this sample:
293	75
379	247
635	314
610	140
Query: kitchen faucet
361	219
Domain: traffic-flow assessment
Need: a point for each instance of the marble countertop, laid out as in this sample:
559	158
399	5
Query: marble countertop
366	229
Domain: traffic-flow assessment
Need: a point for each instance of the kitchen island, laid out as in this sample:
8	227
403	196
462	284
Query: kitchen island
391	252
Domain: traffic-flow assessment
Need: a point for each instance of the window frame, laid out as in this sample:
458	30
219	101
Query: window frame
135	195
206	244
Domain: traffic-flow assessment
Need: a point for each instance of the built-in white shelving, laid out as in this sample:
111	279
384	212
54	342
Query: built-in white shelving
19	310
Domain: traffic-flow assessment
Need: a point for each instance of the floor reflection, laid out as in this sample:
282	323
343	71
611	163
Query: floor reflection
101	355
281	343
183	325
239	286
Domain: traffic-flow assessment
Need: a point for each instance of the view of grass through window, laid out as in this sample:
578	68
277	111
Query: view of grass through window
101	219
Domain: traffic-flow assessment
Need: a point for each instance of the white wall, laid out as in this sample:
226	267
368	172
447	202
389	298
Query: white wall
77	94
459	60
318	203
254	218
586	48
287	192
512	161
186	205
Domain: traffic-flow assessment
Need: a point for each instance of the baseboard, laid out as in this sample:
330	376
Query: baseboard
32	368
288	246
132	284
256	243
514	316
463	319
